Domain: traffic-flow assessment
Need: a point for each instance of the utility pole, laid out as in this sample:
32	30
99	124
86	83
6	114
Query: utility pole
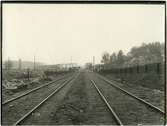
20	64
93	62
71	62
8	64
34	62
28	74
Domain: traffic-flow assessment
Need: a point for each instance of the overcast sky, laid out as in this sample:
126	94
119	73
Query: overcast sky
56	32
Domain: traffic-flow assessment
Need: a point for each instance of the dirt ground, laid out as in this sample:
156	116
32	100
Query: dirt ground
16	109
154	96
130	111
8	94
73	109
83	106
150	80
78	103
44	115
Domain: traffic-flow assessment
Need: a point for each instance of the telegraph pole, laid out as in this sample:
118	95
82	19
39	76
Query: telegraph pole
20	64
93	62
8	64
71	61
34	62
28	74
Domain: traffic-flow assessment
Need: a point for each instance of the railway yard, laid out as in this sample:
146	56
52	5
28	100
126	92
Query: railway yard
83	63
84	97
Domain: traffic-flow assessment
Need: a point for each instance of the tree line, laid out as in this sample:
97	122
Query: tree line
141	55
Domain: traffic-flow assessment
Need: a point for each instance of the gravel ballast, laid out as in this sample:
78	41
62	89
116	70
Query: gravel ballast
129	110
16	109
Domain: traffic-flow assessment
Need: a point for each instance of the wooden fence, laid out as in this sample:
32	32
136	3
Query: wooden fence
158	68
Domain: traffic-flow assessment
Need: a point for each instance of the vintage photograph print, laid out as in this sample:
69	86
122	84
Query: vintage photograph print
83	63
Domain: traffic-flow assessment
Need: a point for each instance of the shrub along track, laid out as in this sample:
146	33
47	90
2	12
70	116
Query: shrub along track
129	110
15	109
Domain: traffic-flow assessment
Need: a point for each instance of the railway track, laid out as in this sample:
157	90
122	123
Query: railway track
114	111
118	121
31	91
15	109
121	104
132	95
60	86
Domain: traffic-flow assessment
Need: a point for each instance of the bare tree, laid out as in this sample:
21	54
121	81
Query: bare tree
120	58
113	59
105	58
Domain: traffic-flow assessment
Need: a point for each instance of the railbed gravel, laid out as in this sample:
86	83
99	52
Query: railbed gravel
129	110
83	106
7	94
16	109
154	96
44	114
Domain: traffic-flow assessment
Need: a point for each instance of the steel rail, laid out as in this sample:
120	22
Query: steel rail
60	86
35	89
132	95
108	105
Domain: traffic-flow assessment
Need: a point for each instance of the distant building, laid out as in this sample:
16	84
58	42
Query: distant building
59	67
22	64
99	67
89	66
